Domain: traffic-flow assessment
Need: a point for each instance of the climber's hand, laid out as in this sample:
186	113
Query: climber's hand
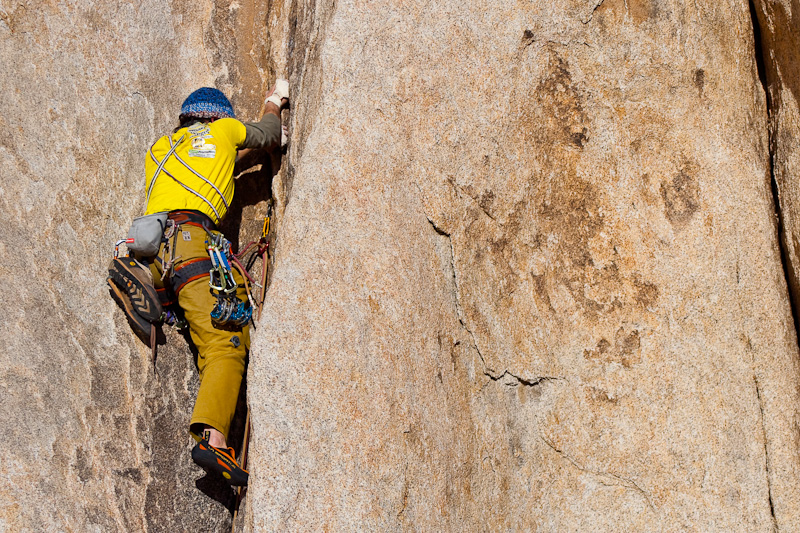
278	94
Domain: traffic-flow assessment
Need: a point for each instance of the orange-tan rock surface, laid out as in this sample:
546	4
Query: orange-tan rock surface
96	440
528	272
528	275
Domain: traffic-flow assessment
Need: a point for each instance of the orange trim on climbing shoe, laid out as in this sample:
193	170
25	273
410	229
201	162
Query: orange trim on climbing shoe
220	461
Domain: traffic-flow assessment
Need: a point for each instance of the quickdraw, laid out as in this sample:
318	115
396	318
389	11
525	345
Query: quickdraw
219	249
228	310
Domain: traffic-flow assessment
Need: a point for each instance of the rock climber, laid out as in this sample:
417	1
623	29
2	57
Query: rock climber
189	184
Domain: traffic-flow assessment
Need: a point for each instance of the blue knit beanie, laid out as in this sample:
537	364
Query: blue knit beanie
207	102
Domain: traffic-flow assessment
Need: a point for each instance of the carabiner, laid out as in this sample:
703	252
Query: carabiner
121	241
217	282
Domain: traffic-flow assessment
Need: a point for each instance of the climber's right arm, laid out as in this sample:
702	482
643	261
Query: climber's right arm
265	133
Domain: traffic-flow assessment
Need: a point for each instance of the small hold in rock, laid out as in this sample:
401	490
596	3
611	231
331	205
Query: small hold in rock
527	37
579	138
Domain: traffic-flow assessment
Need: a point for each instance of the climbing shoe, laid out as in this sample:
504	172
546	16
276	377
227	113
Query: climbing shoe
140	325
220	461
137	282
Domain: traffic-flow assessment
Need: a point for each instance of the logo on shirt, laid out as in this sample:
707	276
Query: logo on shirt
199	134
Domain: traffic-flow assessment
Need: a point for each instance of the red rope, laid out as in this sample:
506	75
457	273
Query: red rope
241	267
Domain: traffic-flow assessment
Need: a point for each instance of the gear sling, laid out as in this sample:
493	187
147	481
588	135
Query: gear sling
180	268
228	309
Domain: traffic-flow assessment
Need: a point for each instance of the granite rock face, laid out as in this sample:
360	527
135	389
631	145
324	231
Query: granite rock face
528	274
95	439
528	271
778	34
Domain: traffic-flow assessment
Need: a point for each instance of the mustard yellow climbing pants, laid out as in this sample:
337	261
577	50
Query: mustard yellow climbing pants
221	351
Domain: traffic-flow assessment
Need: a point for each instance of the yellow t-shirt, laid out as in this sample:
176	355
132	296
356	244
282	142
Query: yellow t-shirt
199	174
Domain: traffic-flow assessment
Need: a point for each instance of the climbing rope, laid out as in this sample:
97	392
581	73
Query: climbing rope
263	248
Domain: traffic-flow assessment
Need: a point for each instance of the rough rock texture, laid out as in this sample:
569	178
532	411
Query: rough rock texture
528	274
778	31
95	440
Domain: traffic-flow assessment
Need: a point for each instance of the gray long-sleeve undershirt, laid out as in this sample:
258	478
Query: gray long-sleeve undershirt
265	133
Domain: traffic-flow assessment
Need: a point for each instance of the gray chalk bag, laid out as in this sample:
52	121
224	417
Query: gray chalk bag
146	232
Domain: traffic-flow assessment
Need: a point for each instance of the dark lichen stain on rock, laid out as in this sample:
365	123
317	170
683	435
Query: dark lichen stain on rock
617	11
83	464
624	351
603	346
560	220
134	474
527	38
646	293
700	81
486	200
600	396
565	207
568	208
627	343
681	197
642	10
568	214
561	101
579	139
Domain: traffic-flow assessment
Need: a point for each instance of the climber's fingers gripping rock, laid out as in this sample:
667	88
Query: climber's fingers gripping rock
278	94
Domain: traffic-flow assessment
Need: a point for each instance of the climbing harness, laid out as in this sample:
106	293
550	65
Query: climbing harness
228	310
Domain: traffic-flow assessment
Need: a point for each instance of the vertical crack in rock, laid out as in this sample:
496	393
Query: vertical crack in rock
791	286
459	310
309	24
766	453
776	196
762	76
493	375
606	478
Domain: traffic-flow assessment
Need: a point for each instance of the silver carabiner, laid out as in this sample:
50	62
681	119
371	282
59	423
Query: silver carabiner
121	241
